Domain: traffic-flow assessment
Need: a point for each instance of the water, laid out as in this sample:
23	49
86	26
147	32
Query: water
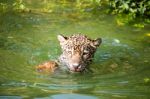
120	68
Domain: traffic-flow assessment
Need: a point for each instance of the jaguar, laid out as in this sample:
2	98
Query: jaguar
77	51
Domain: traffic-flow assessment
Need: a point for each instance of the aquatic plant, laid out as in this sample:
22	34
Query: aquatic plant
134	8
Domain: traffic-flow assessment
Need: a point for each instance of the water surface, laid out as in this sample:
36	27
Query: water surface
121	67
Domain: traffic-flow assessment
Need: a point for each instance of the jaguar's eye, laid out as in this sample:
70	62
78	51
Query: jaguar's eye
70	52
85	52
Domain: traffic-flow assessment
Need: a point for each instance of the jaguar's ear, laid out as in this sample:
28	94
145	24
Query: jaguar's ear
61	38
97	42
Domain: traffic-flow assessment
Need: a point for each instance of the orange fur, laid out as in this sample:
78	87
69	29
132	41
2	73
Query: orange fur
47	66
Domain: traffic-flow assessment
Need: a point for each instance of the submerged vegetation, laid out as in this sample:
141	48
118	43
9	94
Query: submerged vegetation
11	5
126	10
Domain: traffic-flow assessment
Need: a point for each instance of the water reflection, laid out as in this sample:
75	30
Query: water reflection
10	97
70	96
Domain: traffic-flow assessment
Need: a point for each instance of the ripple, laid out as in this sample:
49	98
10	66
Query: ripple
69	96
61	86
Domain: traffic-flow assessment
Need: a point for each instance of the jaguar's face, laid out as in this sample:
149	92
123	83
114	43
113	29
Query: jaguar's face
78	51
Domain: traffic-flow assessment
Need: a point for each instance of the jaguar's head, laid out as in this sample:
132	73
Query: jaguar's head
77	51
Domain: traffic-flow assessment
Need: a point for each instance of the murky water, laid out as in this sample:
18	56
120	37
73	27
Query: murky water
121	67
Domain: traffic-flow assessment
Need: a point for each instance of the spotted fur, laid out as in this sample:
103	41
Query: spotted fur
77	51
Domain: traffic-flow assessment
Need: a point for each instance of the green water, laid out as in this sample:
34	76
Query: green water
121	67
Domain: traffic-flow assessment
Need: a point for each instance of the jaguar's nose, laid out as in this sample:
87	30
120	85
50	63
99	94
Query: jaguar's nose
76	67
